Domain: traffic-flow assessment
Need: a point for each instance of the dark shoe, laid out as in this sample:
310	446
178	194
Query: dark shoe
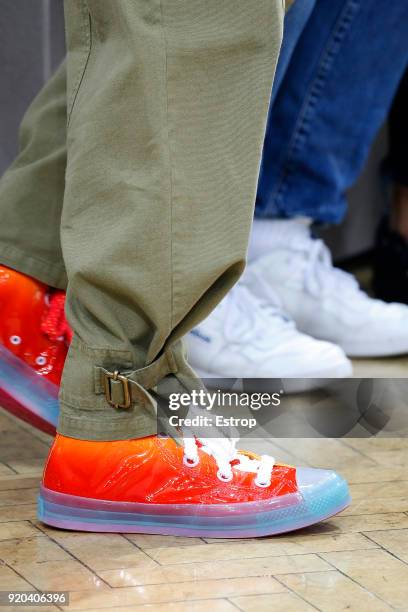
390	281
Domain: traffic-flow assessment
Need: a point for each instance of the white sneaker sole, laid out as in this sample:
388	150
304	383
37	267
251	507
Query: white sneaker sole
320	379
388	348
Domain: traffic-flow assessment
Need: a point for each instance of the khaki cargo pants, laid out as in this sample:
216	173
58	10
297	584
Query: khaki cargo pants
134	189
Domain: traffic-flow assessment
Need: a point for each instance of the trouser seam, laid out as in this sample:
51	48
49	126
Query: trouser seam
302	127
122	354
170	169
91	409
87	32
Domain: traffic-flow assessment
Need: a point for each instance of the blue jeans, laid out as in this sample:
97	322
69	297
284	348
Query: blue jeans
340	66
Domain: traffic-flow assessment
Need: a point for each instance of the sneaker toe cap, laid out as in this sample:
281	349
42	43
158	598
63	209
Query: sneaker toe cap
324	489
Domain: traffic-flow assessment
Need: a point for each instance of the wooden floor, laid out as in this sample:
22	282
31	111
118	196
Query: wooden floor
356	561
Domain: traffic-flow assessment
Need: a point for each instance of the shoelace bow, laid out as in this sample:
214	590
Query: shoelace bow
54	324
226	456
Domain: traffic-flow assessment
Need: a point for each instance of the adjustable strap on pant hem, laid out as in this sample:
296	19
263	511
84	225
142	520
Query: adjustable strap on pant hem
125	389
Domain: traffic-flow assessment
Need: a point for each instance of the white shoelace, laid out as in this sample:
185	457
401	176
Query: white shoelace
320	274
321	277
224	451
247	317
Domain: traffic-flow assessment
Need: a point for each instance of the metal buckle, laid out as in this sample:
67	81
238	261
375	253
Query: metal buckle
108	376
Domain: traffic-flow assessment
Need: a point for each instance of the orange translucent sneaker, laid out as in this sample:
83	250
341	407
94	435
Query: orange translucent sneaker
34	339
201	488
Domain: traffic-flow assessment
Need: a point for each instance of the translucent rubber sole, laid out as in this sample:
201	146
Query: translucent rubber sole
26	394
250	519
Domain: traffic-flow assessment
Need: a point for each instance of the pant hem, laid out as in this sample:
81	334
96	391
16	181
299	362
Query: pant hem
49	274
82	427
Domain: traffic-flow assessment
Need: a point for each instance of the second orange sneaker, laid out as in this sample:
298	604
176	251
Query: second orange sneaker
34	339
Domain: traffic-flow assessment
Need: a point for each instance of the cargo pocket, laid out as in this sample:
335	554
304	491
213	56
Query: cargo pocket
79	41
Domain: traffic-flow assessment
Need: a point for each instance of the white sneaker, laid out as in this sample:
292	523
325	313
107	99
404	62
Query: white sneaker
243	338
324	301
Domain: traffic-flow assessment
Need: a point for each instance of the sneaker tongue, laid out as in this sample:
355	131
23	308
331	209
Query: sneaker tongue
269	235
294	233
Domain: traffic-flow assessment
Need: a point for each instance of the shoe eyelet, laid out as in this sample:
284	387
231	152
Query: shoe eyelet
223	477
191	462
41	360
15	340
263	485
